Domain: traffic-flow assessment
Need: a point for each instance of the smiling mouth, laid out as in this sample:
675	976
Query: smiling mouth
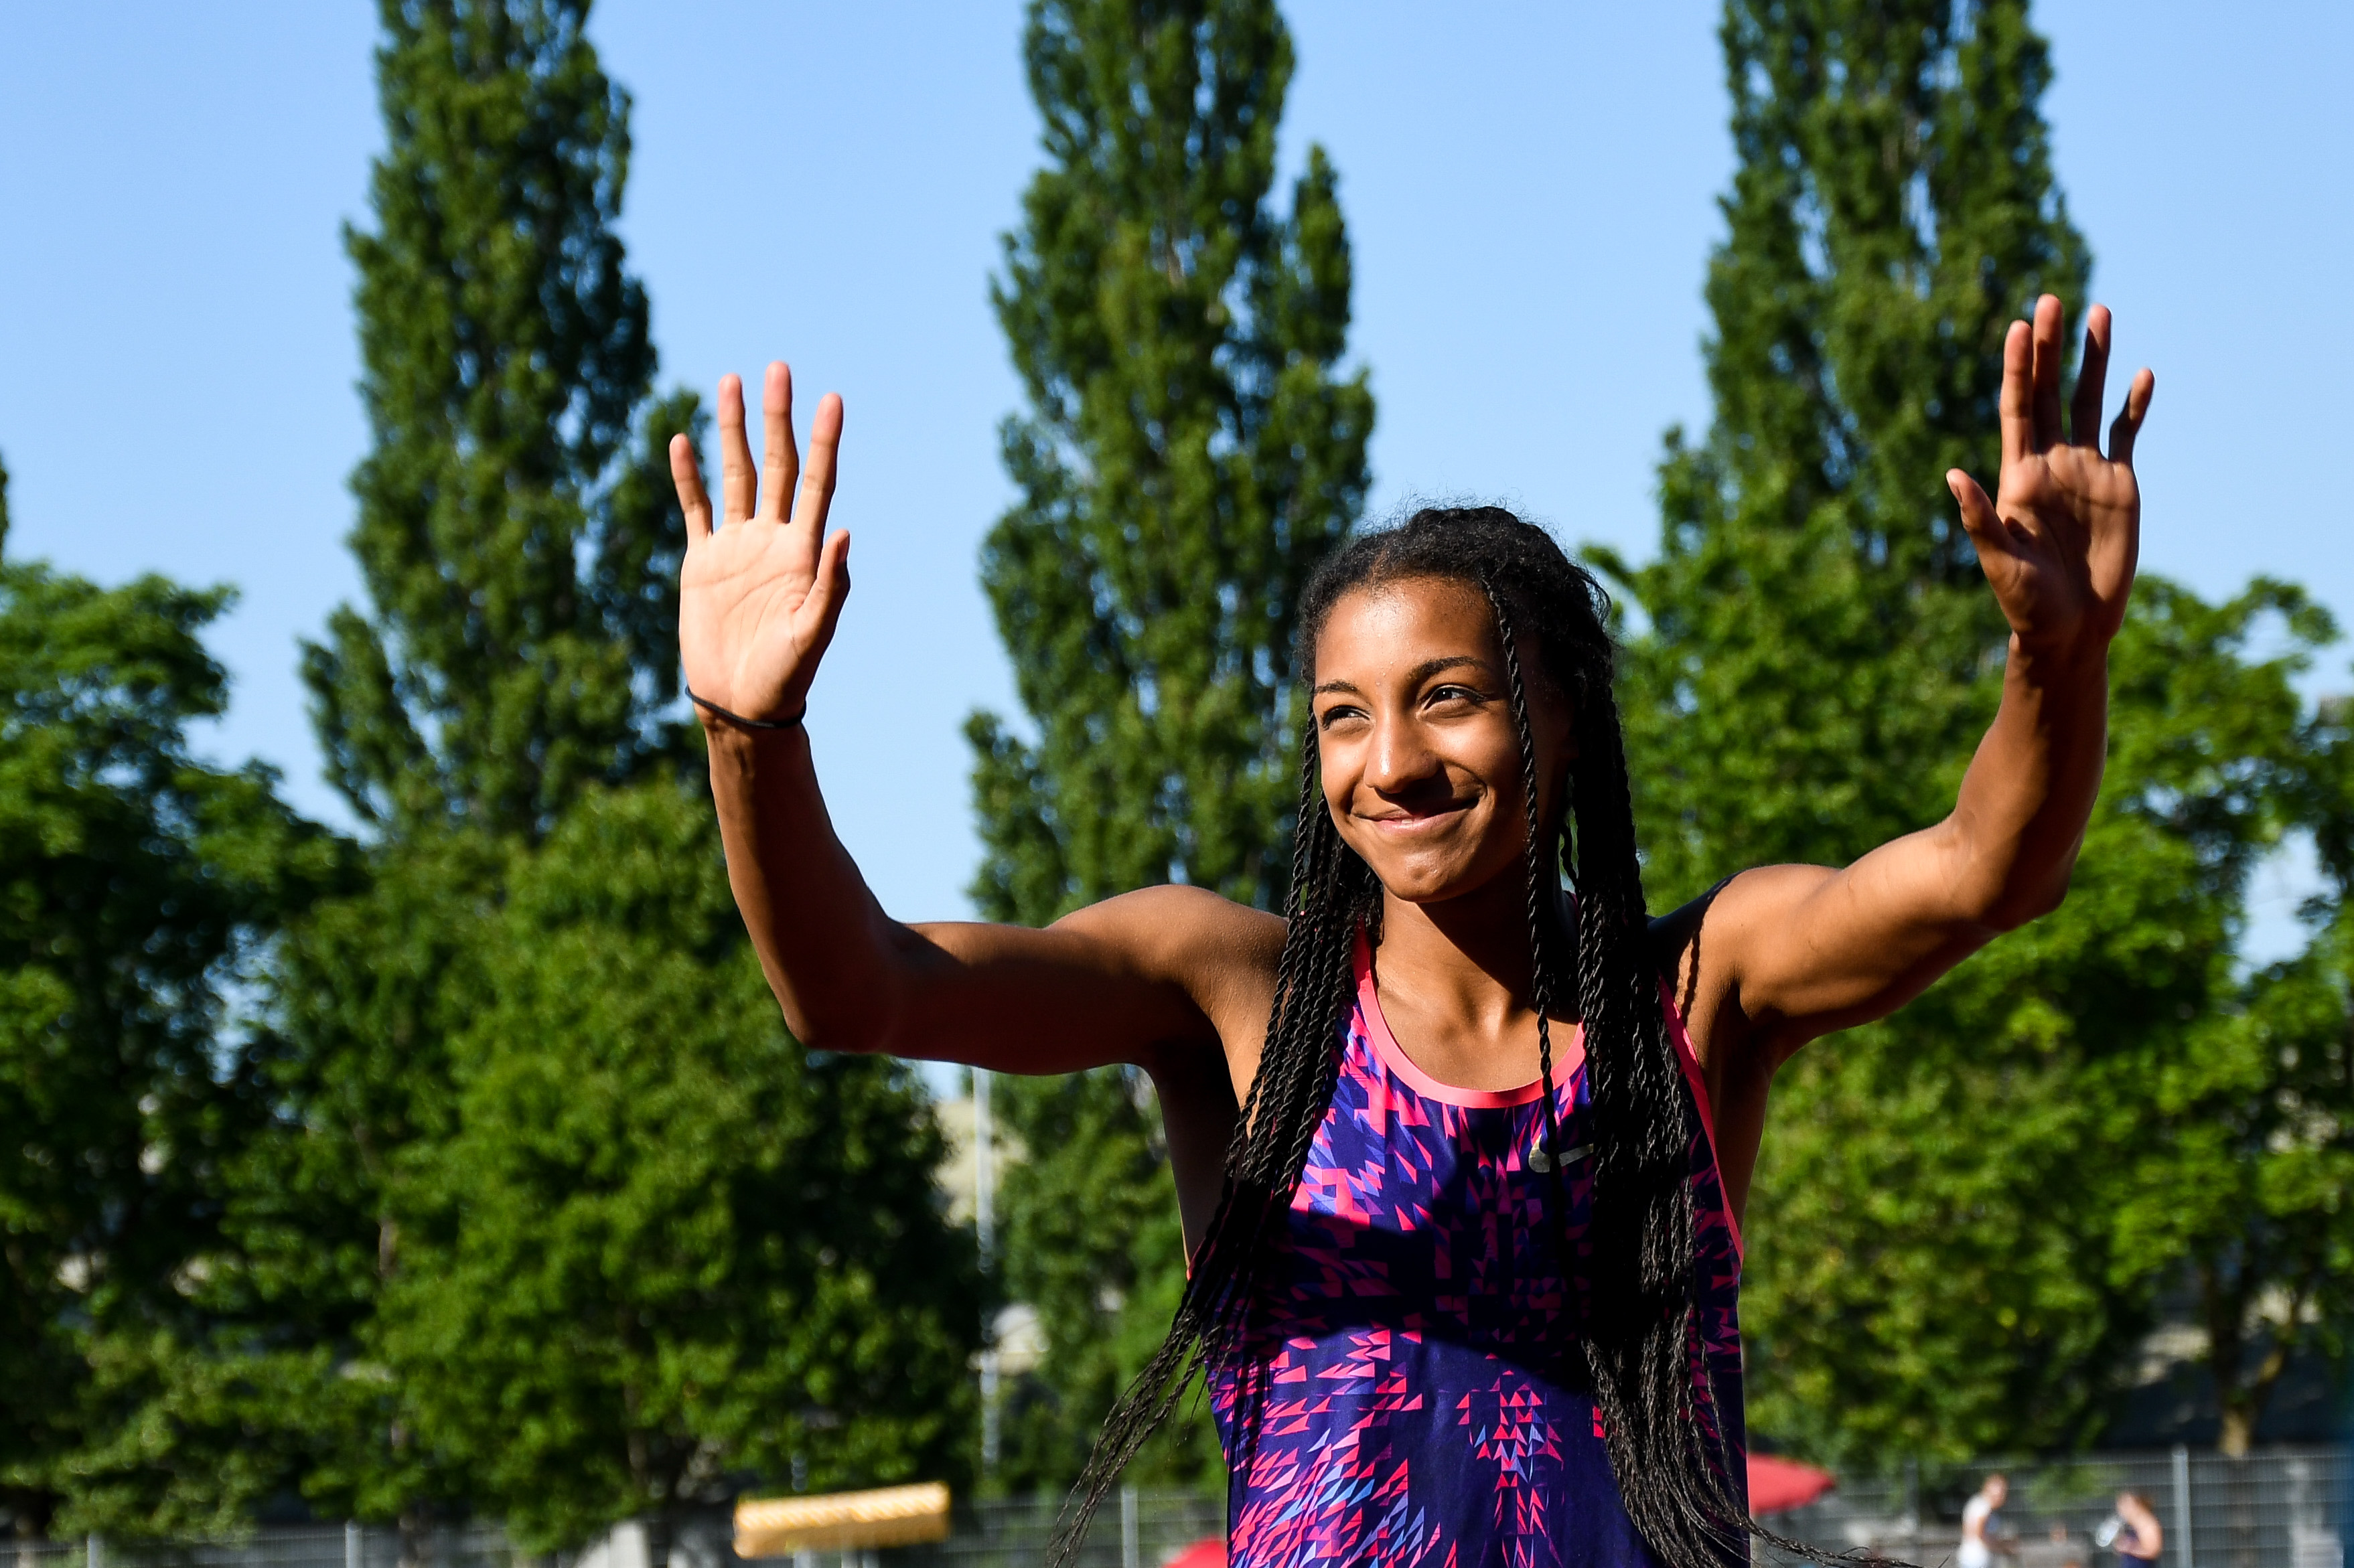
1408	822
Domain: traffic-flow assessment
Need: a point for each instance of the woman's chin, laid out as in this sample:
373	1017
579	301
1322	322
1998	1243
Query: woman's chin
1417	881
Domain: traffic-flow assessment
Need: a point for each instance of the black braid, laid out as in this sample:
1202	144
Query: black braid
1670	1445
1541	893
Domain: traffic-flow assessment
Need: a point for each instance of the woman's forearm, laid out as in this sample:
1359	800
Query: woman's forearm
833	959
2019	819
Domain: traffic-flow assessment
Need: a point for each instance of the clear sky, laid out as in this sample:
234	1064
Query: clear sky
1531	189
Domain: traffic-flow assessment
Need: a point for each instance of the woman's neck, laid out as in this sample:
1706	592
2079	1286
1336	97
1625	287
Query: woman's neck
1467	958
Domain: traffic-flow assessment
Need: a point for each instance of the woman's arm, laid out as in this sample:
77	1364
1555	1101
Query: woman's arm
1157	978
1794	952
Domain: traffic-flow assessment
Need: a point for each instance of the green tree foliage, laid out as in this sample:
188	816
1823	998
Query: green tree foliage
1190	452
1819	657
659	1246
137	886
2246	1166
554	1221
1957	1239
1092	1243
1892	212
1959	1205
516	530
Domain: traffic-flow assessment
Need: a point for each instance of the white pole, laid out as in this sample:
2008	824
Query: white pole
984	1216
1130	1556
351	1553
97	1550
2183	1504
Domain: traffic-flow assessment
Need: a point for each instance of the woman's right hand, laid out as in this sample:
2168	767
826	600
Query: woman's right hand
759	597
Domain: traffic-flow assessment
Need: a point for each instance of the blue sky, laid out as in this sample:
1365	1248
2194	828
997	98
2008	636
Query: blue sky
1531	189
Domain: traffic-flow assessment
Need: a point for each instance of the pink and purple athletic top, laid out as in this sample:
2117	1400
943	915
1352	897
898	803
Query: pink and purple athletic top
1409	1390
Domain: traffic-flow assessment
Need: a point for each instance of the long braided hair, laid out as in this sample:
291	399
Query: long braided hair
1670	1449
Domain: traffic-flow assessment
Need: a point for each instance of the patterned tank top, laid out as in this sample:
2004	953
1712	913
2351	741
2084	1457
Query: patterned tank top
1408	1392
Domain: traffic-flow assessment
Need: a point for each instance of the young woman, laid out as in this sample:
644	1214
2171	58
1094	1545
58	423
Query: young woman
1461	1180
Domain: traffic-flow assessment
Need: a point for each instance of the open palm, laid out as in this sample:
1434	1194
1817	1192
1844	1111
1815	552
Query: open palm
759	595
2060	539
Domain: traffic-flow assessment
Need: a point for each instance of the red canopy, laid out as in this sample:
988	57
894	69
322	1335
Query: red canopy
1210	1554
1776	1484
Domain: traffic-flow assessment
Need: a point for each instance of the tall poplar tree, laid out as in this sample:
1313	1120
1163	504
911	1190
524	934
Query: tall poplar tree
1190	452
1949	1257
516	533
1819	658
558	1225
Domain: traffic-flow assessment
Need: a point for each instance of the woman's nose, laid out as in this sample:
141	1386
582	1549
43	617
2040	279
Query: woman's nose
1400	758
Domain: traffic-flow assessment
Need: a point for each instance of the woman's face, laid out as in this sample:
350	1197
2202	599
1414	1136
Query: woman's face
1414	726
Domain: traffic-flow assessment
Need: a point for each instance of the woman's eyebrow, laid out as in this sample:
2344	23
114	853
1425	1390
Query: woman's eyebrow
1416	676
1429	667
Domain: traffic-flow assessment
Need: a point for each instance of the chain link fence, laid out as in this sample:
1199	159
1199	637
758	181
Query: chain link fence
2282	1507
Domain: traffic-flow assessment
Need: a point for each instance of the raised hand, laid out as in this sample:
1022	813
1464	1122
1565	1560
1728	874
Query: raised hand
759	597
2060	539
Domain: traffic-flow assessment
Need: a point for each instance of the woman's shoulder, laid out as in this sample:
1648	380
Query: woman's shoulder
1185	932
1222	954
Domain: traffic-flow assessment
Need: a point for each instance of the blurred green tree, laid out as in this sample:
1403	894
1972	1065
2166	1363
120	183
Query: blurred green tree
138	887
2244	1171
1816	658
1191	452
1950	1258
517	534
546	1182
660	1245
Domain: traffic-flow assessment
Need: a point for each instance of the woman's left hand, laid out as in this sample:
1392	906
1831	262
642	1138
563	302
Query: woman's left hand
2060	539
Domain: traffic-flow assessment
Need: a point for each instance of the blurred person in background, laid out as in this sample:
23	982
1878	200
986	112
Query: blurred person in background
2134	1534
1982	1522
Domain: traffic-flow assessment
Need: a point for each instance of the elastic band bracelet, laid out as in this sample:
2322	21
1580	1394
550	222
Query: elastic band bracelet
716	711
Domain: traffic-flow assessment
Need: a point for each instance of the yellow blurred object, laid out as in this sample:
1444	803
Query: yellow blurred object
889	1516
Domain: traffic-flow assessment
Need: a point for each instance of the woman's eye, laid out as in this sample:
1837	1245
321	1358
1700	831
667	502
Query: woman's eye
1454	694
1331	716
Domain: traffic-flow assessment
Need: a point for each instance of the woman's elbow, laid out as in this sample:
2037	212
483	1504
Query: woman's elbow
2021	906
848	1027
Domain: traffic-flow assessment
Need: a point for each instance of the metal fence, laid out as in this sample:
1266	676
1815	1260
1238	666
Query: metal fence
295	1546
2281	1508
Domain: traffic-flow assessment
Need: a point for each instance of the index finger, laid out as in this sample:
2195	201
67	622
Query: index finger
692	499
816	498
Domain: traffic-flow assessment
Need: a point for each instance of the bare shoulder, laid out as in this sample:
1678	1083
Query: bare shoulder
1222	954
1705	948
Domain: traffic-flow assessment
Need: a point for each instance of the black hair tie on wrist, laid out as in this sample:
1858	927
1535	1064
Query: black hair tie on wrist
716	711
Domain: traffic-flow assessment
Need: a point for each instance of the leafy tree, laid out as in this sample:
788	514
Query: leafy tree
1819	657
1963	1212
1821	650
1190	453
540	1215
2245	1167
1967	1206
519	547
137	886
660	1247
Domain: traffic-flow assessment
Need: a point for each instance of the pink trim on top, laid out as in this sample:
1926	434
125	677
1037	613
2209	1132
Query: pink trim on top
1689	1060
1393	1057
